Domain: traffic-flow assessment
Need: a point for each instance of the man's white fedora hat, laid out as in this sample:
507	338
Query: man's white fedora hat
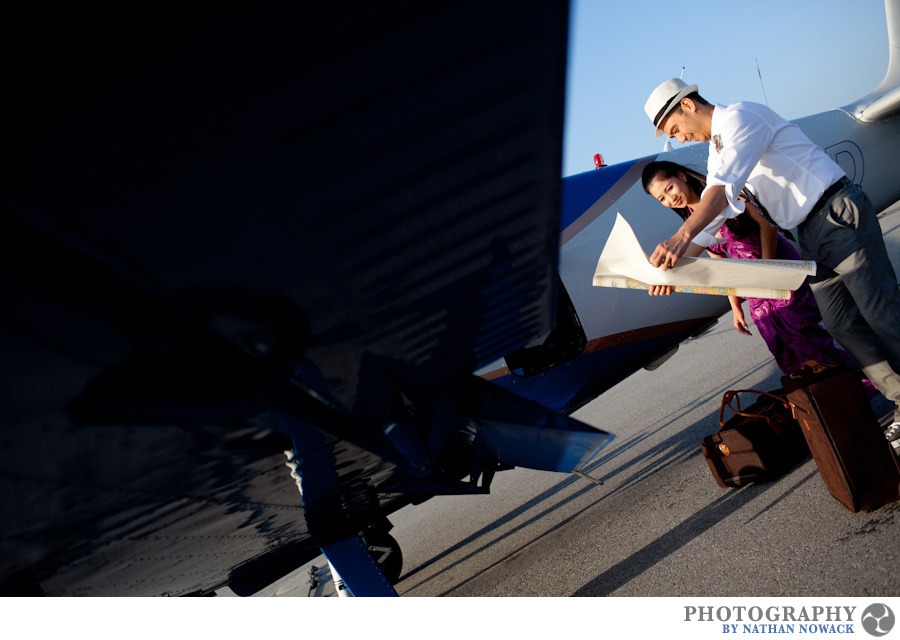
665	98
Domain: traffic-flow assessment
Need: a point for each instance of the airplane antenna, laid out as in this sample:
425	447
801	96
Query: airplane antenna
761	82
682	73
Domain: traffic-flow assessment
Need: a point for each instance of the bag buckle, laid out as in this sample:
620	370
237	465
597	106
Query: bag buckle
724	449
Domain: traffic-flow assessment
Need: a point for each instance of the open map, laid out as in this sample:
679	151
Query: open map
624	264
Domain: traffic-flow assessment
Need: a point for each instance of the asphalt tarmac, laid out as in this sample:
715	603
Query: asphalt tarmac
659	525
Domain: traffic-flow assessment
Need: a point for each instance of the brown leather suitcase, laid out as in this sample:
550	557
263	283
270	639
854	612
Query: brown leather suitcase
757	444
856	462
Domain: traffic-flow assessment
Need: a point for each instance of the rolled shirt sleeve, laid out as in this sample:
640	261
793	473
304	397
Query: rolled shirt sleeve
707	237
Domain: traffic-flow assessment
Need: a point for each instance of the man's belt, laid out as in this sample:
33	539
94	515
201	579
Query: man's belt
830	191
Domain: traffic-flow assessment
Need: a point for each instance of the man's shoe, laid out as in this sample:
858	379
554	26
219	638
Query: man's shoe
892	433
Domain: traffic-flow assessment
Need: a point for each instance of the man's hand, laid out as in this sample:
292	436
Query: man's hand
668	252
660	290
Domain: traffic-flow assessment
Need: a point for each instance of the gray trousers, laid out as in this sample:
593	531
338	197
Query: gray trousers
855	285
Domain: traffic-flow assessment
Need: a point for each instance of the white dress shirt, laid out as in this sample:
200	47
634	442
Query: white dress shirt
752	145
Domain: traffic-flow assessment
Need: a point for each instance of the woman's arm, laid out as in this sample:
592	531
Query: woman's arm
737	313
768	236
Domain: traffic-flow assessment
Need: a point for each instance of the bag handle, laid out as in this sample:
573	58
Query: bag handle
813	366
733	394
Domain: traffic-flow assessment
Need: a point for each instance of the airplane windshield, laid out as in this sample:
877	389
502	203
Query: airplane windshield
565	342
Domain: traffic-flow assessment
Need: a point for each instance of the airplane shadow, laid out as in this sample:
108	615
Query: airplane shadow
676	449
699	523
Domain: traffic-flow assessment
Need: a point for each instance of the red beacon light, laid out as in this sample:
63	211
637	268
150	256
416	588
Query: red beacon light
598	161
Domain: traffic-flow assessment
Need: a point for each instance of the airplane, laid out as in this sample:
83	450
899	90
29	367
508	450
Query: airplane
254	256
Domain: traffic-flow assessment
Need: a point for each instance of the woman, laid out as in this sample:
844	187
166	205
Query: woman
791	328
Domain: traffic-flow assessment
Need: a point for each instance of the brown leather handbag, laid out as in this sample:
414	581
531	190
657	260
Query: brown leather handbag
758	444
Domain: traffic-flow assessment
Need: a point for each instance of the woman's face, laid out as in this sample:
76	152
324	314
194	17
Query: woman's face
672	192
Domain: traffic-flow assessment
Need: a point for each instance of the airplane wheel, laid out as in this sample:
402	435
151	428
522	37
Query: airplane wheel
386	552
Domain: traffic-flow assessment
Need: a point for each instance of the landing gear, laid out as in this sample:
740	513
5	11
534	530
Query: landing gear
386	552
382	548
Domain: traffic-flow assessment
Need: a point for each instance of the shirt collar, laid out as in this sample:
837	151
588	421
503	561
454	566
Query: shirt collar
717	117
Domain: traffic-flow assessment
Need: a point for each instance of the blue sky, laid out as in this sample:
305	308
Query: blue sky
813	55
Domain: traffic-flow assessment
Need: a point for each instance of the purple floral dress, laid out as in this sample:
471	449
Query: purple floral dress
791	328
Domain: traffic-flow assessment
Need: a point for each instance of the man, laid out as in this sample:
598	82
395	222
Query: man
802	187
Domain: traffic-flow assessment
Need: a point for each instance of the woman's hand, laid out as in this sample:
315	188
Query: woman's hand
739	323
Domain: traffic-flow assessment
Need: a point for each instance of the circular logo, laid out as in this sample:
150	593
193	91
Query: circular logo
877	619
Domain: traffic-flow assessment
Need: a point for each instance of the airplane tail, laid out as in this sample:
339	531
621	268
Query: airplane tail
884	101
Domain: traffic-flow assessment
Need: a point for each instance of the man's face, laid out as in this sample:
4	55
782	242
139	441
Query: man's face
685	124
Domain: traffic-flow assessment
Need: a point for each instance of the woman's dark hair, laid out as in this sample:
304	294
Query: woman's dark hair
663	169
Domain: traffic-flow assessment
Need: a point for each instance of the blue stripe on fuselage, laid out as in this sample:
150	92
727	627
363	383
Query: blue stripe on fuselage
580	191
